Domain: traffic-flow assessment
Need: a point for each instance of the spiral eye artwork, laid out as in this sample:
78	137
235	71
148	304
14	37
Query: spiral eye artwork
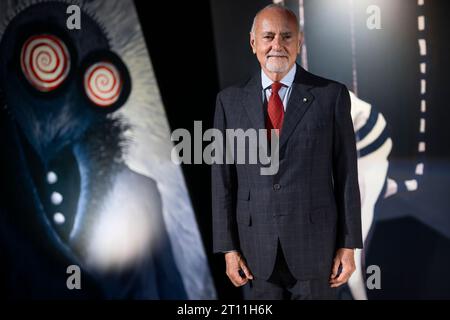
45	62
103	84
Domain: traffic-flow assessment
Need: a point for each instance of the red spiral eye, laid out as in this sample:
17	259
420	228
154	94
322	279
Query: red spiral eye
45	62
102	83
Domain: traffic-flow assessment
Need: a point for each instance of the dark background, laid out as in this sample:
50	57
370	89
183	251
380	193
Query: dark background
179	37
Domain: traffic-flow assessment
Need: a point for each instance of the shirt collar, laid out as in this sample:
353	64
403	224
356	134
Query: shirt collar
287	79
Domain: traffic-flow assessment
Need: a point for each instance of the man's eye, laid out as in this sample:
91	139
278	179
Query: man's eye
268	37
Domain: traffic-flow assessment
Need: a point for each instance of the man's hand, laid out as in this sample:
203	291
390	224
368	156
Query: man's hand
344	258
236	262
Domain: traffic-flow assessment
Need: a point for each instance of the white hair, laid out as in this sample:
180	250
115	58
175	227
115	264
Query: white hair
278	6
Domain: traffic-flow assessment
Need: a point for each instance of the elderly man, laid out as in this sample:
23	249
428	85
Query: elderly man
291	234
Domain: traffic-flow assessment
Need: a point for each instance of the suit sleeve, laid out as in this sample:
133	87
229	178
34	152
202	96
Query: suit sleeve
345	175
223	186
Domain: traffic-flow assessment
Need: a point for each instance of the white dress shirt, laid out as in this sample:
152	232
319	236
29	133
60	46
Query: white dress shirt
285	90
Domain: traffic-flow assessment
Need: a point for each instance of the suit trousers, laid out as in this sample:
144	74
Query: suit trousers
282	285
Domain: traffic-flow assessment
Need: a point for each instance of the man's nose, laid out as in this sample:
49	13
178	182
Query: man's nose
276	43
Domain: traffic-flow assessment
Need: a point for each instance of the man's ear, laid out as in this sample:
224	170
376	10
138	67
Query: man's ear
252	43
300	42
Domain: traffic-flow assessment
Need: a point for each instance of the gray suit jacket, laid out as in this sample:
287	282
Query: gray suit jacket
312	204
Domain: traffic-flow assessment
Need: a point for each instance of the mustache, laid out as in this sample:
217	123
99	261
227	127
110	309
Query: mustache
276	54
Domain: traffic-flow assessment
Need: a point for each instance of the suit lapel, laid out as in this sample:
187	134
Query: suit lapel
253	103
298	104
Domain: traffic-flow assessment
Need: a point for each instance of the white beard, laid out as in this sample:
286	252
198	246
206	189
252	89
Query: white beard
277	65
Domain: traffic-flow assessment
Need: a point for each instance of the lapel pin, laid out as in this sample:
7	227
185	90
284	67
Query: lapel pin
305	100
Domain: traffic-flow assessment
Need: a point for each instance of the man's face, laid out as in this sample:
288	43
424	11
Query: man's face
275	41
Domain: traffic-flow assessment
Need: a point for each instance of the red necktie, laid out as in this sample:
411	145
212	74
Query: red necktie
275	110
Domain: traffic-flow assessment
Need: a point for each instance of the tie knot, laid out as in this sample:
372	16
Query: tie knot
276	86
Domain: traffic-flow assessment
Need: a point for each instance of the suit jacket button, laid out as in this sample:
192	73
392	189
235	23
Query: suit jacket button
276	186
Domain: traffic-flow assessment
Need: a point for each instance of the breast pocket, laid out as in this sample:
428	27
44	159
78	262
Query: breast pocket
310	132
315	127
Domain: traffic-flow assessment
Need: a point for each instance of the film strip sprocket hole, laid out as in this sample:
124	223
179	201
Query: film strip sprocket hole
45	62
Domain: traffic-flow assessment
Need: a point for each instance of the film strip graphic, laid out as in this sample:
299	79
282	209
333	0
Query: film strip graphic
413	183
416	178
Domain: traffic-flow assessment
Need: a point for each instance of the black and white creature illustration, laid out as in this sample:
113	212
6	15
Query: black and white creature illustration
69	144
